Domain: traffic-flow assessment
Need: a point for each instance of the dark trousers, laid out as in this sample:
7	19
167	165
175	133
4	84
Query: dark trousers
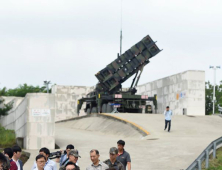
166	123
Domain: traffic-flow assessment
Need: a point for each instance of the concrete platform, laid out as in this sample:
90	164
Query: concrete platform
159	150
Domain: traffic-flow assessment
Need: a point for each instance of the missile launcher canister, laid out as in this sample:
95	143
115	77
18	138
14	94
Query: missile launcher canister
108	95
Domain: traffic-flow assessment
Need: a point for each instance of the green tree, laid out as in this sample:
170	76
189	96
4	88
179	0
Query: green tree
209	97
5	108
22	90
3	91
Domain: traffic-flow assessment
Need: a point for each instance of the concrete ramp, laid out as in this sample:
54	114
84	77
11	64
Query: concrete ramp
106	124
159	150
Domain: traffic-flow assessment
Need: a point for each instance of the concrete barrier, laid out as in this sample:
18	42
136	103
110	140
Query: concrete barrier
66	98
33	119
183	92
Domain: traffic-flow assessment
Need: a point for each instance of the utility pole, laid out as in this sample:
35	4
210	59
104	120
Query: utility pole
214	98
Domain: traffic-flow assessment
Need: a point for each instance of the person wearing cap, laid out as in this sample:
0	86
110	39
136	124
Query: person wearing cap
64	157
168	114
96	163
112	162
72	157
123	156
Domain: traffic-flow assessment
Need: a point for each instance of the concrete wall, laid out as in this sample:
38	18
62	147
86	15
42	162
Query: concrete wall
185	90
33	119
66	98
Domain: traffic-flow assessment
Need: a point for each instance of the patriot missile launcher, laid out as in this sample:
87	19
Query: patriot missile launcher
109	96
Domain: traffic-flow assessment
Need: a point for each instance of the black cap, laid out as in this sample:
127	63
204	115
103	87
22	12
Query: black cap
167	107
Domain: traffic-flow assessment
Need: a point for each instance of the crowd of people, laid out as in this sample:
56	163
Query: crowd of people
119	159
10	159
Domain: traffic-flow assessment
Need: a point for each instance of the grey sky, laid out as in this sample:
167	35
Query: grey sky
68	41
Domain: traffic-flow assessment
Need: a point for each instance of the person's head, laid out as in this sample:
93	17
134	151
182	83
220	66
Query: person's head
68	148
45	152
8	152
113	153
40	161
94	156
74	155
17	152
167	108
71	166
4	162
120	144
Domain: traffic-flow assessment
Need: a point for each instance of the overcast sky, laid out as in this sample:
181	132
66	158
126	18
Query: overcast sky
68	41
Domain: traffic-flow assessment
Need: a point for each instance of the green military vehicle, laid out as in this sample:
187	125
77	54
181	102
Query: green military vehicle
109	96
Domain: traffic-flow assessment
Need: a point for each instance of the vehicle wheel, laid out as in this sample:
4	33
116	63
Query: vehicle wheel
88	111
109	108
94	110
104	108
140	111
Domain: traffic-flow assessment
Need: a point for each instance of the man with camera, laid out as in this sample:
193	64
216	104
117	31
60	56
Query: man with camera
64	157
72	157
49	165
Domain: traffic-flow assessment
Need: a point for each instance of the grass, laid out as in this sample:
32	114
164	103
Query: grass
215	164
7	137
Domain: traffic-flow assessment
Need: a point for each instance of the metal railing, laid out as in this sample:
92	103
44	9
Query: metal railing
204	156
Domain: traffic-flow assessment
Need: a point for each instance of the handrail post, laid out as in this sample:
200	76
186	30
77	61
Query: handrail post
207	159
199	164
214	150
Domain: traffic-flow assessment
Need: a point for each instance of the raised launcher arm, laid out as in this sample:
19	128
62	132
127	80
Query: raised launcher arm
133	60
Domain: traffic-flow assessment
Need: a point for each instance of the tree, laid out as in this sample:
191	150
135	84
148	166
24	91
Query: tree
22	90
209	97
3	91
5	108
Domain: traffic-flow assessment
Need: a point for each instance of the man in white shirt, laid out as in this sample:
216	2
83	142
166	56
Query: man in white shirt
168	114
49	165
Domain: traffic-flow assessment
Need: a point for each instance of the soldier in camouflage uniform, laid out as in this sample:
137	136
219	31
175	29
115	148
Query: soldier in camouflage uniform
112	162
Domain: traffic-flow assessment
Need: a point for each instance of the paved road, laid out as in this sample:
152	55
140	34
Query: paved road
158	151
